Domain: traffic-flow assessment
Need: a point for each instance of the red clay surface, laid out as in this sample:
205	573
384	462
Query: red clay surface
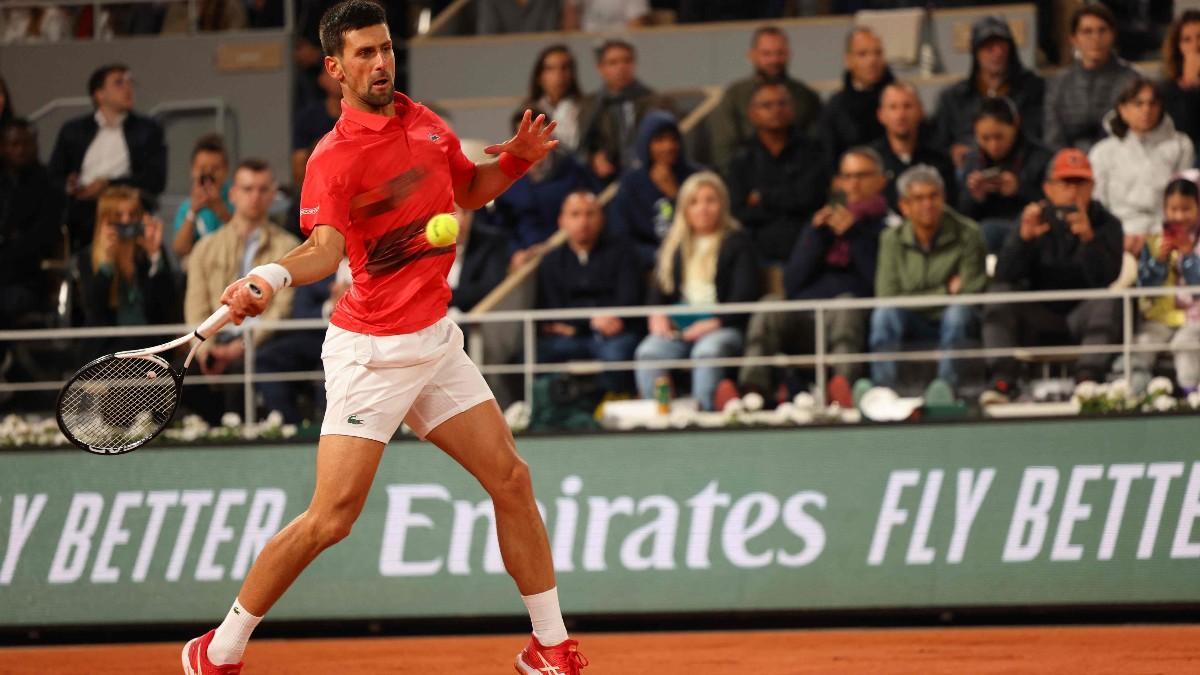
1124	650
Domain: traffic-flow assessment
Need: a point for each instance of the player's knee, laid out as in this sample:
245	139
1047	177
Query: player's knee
328	529
515	485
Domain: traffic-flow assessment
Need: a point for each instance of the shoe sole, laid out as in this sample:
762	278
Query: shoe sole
187	667
522	669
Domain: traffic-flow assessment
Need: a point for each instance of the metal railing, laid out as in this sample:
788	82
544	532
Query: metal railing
529	367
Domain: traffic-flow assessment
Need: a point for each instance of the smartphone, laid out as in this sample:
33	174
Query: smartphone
1056	216
991	173
837	198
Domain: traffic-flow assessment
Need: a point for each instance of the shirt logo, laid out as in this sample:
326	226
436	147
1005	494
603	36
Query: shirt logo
353	419
310	212
434	137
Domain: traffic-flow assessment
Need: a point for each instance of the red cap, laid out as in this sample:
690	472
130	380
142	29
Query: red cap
1071	163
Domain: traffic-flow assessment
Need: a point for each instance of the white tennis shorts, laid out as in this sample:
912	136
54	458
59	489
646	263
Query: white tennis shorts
373	383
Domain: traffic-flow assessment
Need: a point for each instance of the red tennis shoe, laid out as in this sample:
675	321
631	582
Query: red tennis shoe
195	658
563	659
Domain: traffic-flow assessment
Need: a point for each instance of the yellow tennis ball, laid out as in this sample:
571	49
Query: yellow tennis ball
442	230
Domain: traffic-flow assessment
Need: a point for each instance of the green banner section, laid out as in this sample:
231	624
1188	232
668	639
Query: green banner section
1086	511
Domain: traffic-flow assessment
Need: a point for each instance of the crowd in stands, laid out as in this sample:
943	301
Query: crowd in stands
1082	180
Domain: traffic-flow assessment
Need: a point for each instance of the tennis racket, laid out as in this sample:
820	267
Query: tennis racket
120	402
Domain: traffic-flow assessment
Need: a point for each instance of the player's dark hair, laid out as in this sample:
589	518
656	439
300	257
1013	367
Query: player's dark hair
614	43
535	79
1093	9
1183	186
345	17
999	108
210	143
774	31
100	75
253	165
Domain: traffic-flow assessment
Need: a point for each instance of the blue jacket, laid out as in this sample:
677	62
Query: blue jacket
816	269
528	211
641	212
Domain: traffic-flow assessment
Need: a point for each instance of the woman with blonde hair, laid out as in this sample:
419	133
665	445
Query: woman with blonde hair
705	259
124	275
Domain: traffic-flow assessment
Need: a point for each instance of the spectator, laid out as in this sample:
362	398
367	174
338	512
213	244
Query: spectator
113	146
590	270
1066	241
298	350
211	15
599	16
835	257
517	16
935	252
1002	172
30	208
316	118
609	118
644	206
996	70
704	260
729	124
1078	97
529	209
778	177
123	275
554	87
6	104
1137	160
207	207
247	240
1170	259
1180	89
905	142
851	117
480	261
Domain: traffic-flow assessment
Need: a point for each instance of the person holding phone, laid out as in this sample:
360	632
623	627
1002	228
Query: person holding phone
1002	172
207	206
1065	241
1170	259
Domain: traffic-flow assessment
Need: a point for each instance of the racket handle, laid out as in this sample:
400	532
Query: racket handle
219	318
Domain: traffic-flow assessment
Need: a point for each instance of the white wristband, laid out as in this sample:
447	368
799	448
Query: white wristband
274	274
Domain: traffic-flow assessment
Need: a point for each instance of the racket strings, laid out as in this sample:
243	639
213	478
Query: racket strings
119	403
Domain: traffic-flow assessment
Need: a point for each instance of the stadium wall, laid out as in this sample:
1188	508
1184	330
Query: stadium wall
1015	515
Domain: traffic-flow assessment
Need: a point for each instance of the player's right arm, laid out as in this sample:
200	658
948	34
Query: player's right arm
313	260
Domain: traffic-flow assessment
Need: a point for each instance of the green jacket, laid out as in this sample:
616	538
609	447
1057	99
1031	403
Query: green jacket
905	269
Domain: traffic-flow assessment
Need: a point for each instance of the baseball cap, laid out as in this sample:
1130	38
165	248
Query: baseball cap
987	28
1071	163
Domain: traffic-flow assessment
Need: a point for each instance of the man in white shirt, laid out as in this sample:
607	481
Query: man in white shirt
112	145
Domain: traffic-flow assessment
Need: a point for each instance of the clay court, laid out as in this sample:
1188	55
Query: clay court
1127	650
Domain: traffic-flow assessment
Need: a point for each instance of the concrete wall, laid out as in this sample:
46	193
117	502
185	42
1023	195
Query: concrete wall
166	69
676	57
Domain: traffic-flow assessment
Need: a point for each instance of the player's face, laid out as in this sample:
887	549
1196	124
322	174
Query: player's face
366	68
252	193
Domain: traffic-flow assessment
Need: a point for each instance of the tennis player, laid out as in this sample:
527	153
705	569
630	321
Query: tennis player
390	353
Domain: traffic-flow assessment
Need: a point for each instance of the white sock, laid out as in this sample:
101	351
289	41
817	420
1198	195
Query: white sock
232	635
548	626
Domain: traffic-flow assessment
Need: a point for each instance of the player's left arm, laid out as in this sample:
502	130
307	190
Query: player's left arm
533	141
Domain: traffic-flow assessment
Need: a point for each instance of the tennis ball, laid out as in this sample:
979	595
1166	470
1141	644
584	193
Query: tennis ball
442	230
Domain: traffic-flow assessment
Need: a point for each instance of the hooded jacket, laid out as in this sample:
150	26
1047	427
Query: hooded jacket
851	117
1077	100
640	211
959	103
1132	172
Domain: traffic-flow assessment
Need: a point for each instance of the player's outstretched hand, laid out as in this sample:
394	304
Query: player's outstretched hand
243	302
534	139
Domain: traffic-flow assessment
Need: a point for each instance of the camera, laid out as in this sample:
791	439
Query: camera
131	230
207	179
1056	216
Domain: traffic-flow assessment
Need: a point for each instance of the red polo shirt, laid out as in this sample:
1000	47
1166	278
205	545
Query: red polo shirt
378	180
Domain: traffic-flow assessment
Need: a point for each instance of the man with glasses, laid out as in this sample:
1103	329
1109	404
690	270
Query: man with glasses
111	146
834	257
1065	241
778	177
1078	98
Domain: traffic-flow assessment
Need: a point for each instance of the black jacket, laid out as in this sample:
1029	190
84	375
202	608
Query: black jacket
1183	105
609	279
484	264
147	164
792	187
812	273
30	209
1028	159
737	280
851	117
158	298
959	103
926	153
1059	260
